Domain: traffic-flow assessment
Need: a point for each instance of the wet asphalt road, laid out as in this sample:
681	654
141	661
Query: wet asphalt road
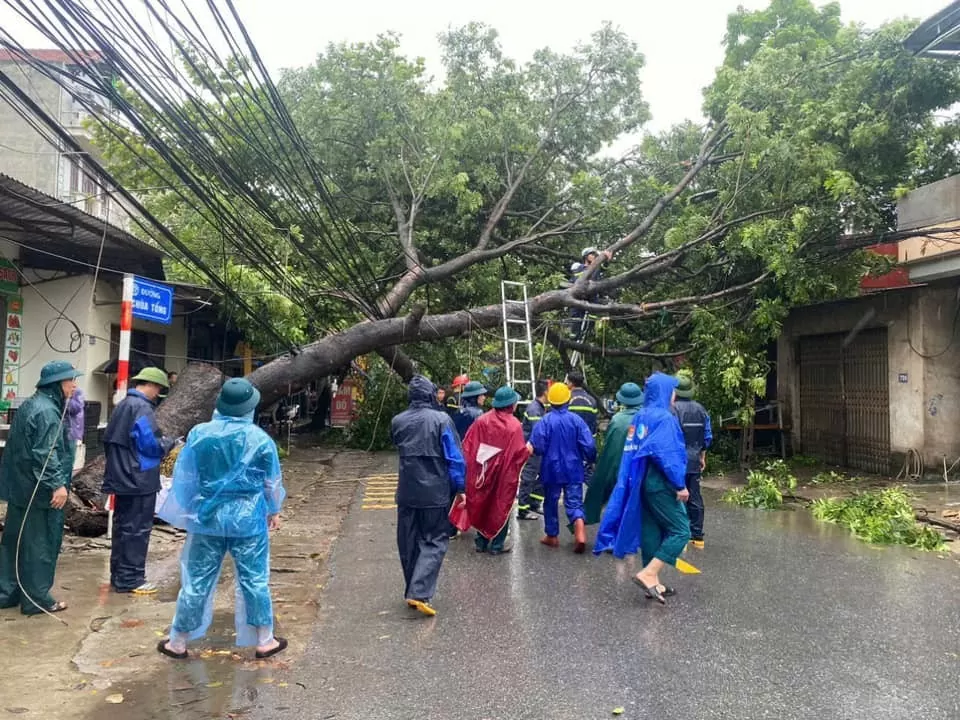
790	619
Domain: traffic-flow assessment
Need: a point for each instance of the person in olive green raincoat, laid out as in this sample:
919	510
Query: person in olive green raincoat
630	397
35	479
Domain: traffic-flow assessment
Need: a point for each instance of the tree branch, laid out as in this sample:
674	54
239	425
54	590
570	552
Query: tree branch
648	309
659	262
562	343
707	149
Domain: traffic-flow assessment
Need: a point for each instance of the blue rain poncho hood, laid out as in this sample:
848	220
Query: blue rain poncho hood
653	437
226	480
421	391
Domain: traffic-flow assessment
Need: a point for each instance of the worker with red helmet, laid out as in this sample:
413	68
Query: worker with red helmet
453	402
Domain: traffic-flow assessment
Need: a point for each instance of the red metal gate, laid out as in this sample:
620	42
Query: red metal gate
844	400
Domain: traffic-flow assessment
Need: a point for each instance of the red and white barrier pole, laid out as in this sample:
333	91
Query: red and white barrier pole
126	326
123	365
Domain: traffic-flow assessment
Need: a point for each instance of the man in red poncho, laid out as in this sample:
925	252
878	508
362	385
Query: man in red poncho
495	451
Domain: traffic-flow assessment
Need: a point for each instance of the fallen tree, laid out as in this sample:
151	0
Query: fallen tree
360	205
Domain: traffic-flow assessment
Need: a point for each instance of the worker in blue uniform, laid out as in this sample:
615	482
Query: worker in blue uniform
530	498
564	442
698	435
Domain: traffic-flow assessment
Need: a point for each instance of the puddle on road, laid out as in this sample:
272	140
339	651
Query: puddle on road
218	681
109	649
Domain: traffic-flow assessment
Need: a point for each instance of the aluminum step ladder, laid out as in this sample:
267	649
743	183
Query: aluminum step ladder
517	341
576	357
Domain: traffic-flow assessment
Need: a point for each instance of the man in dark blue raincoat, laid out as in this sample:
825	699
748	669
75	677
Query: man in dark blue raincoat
646	510
530	497
431	468
134	448
695	423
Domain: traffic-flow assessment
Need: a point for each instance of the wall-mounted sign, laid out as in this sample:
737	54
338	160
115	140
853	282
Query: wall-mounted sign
341	414
9	278
152	301
903	378
12	349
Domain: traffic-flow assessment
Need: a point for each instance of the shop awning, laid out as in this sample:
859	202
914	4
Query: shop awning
53	235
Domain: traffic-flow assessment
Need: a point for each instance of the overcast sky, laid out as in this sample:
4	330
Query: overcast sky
680	38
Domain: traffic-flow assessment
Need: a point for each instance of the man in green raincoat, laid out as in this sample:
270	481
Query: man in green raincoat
630	397
34	480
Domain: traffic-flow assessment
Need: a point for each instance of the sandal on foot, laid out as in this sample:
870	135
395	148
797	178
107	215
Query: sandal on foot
281	646
666	592
652	592
58	606
164	650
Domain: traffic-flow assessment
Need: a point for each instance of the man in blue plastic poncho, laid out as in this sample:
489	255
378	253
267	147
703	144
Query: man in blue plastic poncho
227	492
646	509
431	469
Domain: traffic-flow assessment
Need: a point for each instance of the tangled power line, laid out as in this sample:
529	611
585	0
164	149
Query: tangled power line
188	95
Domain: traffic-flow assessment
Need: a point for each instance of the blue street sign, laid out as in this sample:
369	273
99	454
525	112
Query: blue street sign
152	301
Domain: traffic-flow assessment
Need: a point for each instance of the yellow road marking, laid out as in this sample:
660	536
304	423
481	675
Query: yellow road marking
378	492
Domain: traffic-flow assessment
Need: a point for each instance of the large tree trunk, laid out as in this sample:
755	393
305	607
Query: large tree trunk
190	402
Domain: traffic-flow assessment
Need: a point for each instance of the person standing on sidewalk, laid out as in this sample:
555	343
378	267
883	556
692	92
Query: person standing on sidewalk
431	469
134	448
564	442
698	435
227	493
35	480
530	499
495	451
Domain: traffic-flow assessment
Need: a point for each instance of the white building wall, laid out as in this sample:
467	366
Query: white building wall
73	295
47	336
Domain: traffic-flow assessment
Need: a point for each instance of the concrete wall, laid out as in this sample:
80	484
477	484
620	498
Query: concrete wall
27	156
934	204
40	320
73	296
938	312
923	359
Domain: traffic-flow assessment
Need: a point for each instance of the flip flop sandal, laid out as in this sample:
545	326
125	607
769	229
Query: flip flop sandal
270	653
652	592
57	607
164	650
667	592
